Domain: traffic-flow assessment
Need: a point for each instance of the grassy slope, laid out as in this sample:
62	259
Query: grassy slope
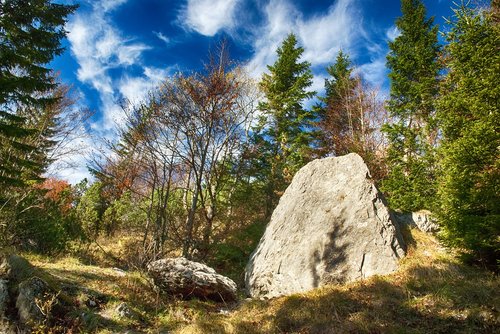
431	293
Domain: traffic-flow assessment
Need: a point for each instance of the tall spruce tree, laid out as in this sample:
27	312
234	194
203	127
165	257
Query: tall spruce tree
414	73
283	137
349	117
469	115
336	109
30	37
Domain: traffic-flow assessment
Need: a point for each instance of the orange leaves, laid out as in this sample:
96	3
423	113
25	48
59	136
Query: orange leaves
58	191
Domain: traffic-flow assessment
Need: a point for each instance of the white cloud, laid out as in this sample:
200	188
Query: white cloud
207	17
318	84
108	5
161	36
98	48
322	36
71	155
73	167
374	72
158	74
392	33
75	175
282	18
135	89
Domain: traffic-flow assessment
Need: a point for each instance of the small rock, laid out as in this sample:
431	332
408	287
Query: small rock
224	312
120	272
179	276
124	311
93	299
422	219
4	296
15	268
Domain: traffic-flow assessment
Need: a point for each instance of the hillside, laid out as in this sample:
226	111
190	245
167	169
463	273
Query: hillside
432	292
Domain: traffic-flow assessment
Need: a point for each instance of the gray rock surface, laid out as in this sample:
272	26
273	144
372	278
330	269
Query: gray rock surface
422	219
33	293
15	268
331	226
124	311
188	279
4	297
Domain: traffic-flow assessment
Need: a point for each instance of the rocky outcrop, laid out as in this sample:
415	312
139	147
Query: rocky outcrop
422	219
331	226
15	268
34	297
188	279
32	291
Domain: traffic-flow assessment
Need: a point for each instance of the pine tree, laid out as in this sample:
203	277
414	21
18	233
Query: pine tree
283	137
30	37
469	115
349	117
414	73
335	111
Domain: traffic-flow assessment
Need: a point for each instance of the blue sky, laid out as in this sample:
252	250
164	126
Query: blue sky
120	49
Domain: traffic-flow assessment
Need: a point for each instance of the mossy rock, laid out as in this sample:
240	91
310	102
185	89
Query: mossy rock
15	270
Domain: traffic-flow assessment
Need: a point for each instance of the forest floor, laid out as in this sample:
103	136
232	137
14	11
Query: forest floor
432	292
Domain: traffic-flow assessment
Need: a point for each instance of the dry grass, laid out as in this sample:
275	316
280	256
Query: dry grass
432	292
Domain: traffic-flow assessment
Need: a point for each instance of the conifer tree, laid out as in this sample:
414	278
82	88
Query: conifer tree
30	37
469	115
349	117
414	73
283	137
338	121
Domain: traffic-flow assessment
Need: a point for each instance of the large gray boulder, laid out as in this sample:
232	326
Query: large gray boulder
189	279
331	226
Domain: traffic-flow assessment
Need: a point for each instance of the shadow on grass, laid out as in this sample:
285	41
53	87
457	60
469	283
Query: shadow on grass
432	300
406	234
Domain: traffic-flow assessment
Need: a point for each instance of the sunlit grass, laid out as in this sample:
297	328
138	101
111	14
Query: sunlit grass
432	292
